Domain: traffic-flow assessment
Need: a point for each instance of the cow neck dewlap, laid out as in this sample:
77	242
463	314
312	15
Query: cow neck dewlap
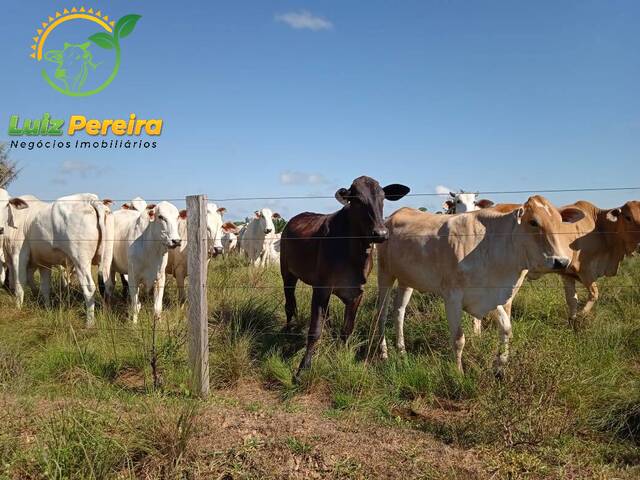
151	236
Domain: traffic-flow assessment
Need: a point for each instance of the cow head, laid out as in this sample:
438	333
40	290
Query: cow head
214	228
626	220
165	221
8	206
73	63
265	217
463	202
540	234
138	204
364	200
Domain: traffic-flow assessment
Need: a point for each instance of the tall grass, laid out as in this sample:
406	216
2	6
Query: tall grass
567	397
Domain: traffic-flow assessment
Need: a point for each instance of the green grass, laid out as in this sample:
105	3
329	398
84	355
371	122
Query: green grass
568	403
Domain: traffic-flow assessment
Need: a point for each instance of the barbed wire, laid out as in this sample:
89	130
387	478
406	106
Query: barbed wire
171	286
337	237
213	198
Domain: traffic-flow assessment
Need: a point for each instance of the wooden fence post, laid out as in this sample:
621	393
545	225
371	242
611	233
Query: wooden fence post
197	248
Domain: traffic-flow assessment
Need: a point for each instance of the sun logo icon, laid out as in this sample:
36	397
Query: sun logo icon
84	63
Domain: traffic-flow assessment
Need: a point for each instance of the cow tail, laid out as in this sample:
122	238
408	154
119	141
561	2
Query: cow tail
104	252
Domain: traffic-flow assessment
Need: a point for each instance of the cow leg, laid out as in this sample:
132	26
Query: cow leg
378	340
125	285
109	287
477	326
592	287
571	297
134	297
403	295
20	267
453	307
290	306
350	311
180	276
319	304
83	273
31	281
45	286
504	324
158	295
3	271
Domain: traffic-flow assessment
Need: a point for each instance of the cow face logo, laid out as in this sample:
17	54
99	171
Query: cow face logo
77	61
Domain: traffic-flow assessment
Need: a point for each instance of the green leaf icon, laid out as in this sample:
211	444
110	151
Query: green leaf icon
125	26
103	40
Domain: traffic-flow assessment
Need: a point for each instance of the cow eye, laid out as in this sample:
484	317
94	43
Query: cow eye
533	223
160	217
627	218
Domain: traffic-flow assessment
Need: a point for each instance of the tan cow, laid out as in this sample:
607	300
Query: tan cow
600	242
476	262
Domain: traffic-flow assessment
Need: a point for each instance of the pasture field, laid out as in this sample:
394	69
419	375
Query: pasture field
78	403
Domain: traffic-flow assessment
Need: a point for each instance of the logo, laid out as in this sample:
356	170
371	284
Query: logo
77	61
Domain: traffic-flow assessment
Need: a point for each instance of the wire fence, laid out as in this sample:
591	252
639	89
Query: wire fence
213	198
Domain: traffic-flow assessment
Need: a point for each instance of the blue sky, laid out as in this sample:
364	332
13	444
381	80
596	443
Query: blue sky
295	98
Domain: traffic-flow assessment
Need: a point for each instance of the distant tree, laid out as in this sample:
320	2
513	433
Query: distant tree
8	168
279	223
423	209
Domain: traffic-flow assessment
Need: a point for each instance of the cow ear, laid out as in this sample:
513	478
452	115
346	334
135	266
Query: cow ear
613	215
452	195
447	204
125	206
276	215
571	215
18	203
151	206
484	203
519	213
182	214
151	213
107	201
221	210
257	213
229	227
53	56
342	195
395	191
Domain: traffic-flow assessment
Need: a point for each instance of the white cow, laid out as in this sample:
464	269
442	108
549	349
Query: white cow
229	241
463	202
4	197
139	247
177	264
69	232
257	237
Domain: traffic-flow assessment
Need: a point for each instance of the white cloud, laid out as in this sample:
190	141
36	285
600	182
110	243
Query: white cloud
289	177
304	20
71	167
79	168
442	190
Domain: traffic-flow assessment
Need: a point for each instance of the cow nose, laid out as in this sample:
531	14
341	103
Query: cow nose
267	230
560	263
380	234
217	251
176	243
1	230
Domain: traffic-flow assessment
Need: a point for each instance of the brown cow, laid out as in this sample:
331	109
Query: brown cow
332	253
600	241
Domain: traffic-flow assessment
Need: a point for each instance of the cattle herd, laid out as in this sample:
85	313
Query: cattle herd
476	255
